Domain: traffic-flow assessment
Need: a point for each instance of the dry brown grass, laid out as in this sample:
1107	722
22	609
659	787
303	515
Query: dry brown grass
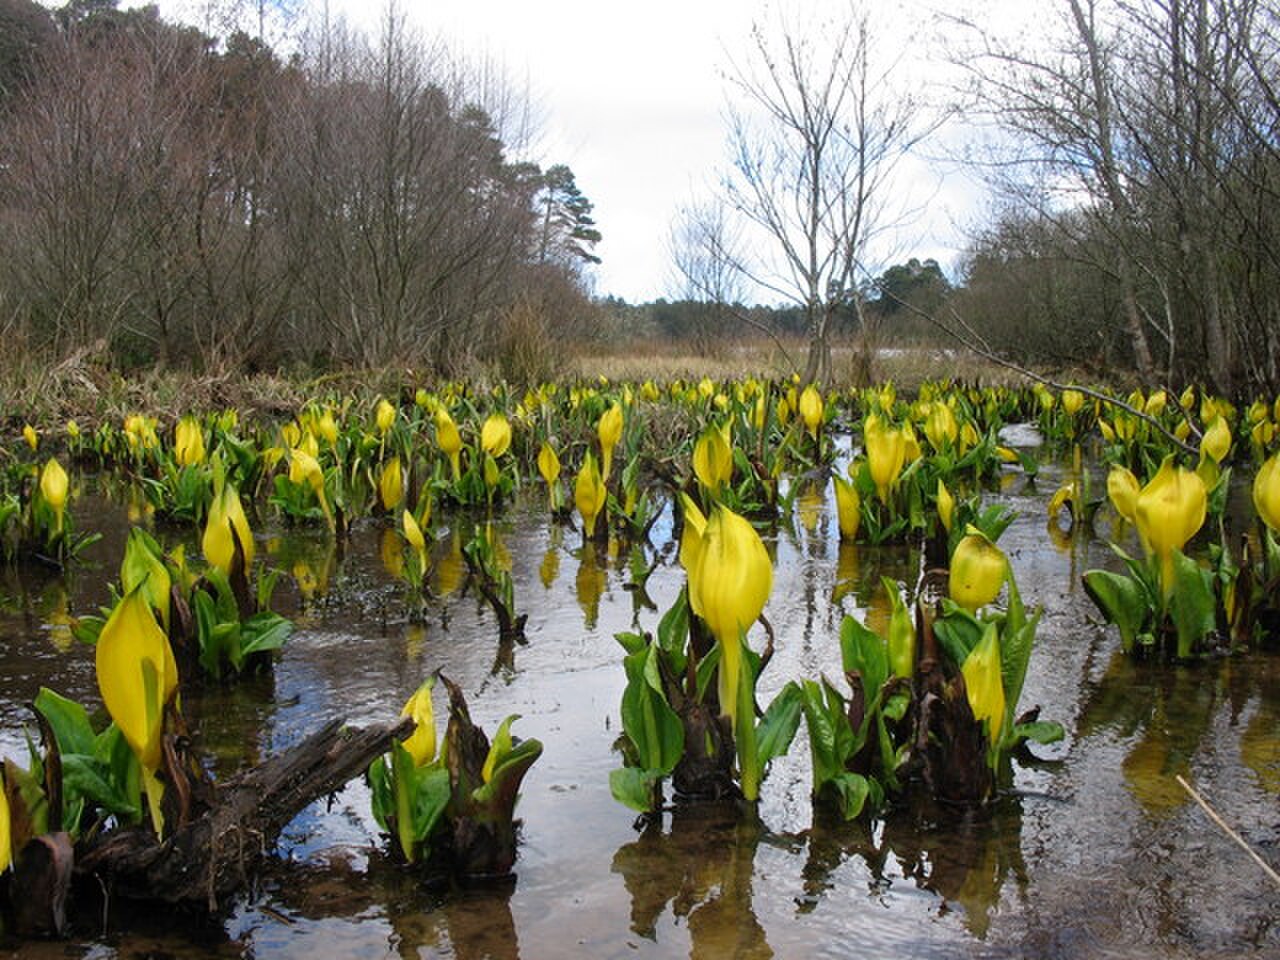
663	361
83	388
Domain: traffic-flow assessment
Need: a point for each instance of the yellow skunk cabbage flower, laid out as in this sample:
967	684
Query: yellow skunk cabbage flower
421	744
982	683
886	451
327	428
940	427
391	484
589	494
946	505
1263	432
901	634
695	523
1155	404
73	430
384	416
29	434
413	534
811	409
1188	398
448	438
713	459
1169	511
495	435
53	487
733	581
1216	442
1266	493
1065	494
188	442
549	467
911	451
6	835
978	570
226	513
848	508
137	677
1072	401
609	430
1122	490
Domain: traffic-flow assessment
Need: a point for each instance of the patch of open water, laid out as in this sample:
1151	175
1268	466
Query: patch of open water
1096	852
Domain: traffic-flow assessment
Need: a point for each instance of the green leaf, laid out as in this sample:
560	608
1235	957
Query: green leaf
647	719
864	653
264	631
68	721
778	726
84	776
381	799
631	642
1015	653
852	791
634	787
1041	731
673	631
504	780
1192	607
1122	600
958	630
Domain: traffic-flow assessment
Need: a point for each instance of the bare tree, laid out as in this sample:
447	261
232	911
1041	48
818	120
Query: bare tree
817	131
1148	121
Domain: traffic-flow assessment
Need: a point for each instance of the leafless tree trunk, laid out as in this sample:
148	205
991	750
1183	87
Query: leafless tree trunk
817	131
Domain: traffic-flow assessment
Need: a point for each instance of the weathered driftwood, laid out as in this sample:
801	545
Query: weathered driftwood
210	857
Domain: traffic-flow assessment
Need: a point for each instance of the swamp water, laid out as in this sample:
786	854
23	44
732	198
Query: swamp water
1097	852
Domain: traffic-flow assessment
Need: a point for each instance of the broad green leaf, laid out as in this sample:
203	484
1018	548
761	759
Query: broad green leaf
1015	653
1192	607
864	653
958	631
673	631
778	725
504	780
852	791
1122	600
380	794
630	641
648	720
634	787
83	776
69	722
1041	731
264	631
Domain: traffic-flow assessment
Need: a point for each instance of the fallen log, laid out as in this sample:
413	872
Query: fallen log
215	853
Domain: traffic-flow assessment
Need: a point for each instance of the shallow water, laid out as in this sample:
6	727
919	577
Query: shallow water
1094	853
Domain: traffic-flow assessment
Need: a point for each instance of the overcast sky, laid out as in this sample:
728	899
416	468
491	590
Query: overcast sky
632	98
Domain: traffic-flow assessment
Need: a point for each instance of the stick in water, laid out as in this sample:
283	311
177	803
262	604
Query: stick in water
1204	804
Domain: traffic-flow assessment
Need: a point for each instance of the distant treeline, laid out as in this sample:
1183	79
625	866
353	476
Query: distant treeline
168	197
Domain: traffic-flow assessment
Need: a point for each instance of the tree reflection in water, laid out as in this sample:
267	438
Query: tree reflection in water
702	869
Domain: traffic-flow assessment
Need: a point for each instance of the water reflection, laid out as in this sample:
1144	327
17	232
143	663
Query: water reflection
702	870
590	582
1166	711
388	909
847	570
964	858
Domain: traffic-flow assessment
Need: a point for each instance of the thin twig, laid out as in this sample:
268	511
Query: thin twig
1204	804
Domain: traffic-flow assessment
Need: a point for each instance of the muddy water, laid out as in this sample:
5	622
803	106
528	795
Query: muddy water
1095	852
